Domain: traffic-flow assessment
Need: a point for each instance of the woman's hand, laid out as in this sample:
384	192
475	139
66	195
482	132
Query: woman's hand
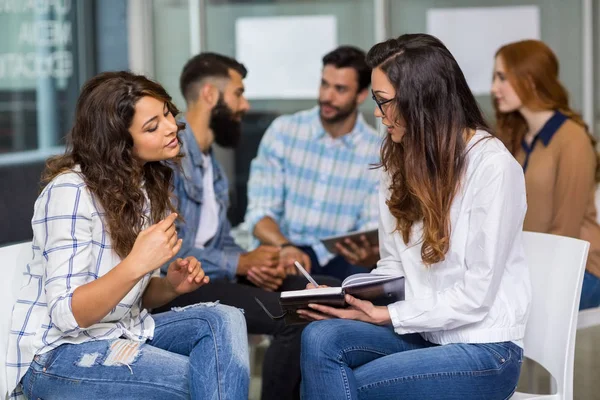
186	275
289	254
155	245
358	310
311	286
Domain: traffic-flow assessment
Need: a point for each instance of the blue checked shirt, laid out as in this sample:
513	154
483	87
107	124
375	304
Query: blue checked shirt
70	248
314	185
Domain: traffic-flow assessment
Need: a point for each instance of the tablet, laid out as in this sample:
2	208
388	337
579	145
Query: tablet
330	241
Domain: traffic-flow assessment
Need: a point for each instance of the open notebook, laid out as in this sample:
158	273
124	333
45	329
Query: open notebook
380	289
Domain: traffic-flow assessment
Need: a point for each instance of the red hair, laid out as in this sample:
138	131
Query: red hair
532	69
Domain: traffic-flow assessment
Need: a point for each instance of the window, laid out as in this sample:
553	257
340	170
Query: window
39	74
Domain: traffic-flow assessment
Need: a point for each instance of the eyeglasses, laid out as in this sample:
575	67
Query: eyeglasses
380	103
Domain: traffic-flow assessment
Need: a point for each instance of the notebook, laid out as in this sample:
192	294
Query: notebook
379	289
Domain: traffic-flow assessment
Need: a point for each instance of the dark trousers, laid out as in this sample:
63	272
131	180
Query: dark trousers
338	267
281	367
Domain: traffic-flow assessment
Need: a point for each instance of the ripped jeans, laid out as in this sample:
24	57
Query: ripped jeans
199	352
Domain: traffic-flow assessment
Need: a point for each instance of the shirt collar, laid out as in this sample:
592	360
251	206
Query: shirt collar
190	145
548	130
350	139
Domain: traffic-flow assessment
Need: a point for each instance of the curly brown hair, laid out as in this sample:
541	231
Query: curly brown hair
437	107
101	145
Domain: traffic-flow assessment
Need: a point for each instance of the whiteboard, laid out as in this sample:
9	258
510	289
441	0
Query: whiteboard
283	55
474	34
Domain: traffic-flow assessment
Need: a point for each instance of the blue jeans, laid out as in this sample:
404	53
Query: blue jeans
344	359
337	267
200	353
590	291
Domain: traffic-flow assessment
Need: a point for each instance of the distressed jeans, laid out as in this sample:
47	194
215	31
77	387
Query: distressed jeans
355	360
199	352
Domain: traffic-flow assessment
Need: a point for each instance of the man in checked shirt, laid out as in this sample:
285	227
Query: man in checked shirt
312	176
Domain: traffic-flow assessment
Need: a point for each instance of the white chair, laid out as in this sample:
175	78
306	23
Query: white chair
556	267
13	261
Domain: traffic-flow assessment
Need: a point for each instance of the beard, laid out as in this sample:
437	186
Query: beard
342	113
226	124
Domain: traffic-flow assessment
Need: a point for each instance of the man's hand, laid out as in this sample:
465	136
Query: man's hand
267	278
262	256
362	253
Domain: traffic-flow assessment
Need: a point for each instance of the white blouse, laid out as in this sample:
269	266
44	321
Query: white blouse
481	291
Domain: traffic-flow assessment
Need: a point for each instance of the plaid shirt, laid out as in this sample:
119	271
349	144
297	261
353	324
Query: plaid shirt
312	184
70	248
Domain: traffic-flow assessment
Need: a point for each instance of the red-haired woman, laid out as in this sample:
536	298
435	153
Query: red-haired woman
553	145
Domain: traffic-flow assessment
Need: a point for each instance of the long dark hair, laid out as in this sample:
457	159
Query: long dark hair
100	143
436	105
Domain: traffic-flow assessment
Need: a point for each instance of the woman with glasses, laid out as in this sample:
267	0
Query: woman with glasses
555	148
452	203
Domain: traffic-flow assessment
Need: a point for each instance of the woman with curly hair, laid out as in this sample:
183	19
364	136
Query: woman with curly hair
554	146
452	203
102	227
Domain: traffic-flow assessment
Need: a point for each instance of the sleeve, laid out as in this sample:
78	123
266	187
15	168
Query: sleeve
574	181
229	243
266	182
221	261
496	216
370	212
218	262
64	220
389	262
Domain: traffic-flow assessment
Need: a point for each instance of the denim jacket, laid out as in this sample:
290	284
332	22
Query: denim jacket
220	256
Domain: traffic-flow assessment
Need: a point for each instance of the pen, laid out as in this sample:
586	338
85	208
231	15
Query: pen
306	274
